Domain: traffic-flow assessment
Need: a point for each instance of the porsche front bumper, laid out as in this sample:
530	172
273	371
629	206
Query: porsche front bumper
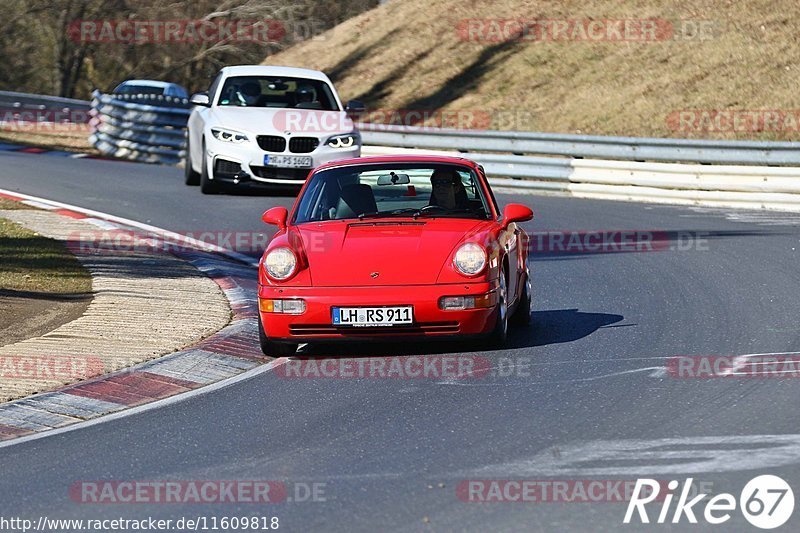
316	324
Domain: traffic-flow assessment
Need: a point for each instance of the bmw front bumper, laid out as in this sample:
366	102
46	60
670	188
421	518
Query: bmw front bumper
226	160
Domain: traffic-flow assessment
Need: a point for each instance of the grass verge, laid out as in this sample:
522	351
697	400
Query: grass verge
69	138
31	263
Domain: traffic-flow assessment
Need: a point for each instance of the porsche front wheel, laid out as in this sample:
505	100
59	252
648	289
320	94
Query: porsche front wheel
522	314
497	338
272	348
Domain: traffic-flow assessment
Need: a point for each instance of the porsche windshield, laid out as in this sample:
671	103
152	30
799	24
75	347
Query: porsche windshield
376	191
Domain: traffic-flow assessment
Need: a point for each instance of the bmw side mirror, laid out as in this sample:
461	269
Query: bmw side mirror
355	106
516	213
200	99
276	216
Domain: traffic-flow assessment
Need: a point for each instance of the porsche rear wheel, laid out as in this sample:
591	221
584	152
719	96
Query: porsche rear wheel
272	348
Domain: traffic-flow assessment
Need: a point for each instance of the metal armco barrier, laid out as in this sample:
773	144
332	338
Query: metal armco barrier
754	174
586	146
39	108
744	174
38	101
146	128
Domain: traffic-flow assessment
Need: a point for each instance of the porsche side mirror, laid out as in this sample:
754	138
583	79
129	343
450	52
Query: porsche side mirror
516	213
200	99
276	216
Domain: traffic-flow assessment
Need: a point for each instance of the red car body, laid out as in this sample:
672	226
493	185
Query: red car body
398	261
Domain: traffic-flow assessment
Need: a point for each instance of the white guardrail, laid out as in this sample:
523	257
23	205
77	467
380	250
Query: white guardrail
751	174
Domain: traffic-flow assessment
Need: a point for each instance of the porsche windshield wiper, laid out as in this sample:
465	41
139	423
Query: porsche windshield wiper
447	212
426	211
394	213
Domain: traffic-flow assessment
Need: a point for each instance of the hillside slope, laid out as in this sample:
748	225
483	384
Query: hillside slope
413	54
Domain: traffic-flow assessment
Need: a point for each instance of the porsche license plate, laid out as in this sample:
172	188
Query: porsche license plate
372	316
288	161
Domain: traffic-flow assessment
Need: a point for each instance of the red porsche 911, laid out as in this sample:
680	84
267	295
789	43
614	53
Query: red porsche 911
382	248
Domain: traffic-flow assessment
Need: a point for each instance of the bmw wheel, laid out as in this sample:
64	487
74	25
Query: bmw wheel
191	177
207	185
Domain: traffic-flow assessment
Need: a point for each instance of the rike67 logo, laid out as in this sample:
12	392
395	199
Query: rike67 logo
767	502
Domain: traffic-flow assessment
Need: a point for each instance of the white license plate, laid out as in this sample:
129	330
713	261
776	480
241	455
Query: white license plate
288	161
372	316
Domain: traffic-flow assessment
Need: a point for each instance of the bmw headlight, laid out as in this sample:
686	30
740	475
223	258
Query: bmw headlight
470	259
280	263
343	141
230	136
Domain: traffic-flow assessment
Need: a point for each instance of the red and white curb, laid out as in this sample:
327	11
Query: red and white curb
232	353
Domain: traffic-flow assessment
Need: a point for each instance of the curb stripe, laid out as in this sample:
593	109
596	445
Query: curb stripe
224	358
147	407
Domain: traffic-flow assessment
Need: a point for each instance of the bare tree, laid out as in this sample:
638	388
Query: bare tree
43	52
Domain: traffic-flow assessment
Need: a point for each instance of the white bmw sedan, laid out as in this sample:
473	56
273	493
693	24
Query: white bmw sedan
266	125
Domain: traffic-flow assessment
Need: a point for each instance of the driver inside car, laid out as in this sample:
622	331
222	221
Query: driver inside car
306	97
249	93
448	191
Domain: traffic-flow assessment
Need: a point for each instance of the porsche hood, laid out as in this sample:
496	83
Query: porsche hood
382	252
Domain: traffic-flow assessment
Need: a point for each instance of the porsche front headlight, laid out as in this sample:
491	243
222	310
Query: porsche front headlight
470	259
280	263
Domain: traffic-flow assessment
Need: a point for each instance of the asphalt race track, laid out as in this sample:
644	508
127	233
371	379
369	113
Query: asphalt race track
582	394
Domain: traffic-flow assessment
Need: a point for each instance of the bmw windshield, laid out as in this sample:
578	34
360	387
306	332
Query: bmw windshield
271	91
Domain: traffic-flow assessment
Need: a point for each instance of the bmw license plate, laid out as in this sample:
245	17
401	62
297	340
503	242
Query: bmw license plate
372	316
288	161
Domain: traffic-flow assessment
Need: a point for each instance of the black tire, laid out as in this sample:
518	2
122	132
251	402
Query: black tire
497	338
522	314
190	176
272	348
207	185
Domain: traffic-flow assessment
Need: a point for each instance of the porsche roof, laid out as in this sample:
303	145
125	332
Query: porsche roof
432	159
